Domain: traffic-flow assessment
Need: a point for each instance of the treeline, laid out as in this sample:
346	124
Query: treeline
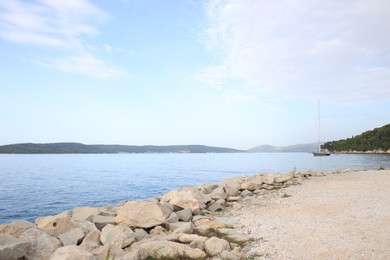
374	140
67	148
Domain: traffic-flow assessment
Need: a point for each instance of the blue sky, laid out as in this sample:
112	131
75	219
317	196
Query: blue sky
232	73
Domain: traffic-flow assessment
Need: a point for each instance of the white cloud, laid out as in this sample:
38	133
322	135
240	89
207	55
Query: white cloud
84	65
303	49
60	25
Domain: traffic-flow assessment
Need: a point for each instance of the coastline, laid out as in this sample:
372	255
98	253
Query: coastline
211	220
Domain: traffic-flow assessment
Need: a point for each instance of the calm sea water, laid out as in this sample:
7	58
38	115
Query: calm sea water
40	185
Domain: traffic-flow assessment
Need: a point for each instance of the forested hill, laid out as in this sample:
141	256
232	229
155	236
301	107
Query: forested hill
377	140
62	148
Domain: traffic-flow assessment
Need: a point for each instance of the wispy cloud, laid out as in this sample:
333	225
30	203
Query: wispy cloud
302	49
61	25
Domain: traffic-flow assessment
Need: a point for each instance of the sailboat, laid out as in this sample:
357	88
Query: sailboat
319	151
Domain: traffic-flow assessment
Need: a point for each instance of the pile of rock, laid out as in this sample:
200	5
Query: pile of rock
179	224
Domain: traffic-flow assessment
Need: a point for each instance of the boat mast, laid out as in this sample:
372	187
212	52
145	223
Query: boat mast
319	126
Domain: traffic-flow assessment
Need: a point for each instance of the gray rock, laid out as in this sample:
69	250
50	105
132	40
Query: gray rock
12	247
215	246
120	236
72	252
210	187
215	206
182	227
185	214
218	193
139	234
246	193
227	221
72	237
42	245
172	218
91	241
102	221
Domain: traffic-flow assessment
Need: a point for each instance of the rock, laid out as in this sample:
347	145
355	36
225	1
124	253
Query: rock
228	255
143	214
187	198
185	214
102	221
283	178
16	228
215	206
72	252
72	237
246	193
215	246
227	221
231	186
209	223
91	241
86	226
168	250
210	187
42	245
139	234
234	234
218	193
251	186
233	198
195	241
12	247
172	218
182	227
54	225
268	179
158	231
120	236
84	213
110	252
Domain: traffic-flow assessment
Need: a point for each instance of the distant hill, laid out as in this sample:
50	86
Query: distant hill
64	148
298	148
377	140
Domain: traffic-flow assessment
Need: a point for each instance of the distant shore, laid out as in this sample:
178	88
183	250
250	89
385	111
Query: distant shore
362	152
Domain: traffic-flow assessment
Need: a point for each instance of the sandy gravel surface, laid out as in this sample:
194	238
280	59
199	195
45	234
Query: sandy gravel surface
341	216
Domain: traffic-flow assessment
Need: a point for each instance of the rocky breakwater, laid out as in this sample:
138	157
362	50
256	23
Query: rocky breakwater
182	224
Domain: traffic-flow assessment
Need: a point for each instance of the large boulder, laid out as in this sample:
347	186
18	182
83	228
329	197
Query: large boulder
16	228
185	215
12	247
42	245
215	246
54	225
143	214
187	197
72	252
120	236
84	213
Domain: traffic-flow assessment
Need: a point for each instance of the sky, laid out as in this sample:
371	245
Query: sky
230	73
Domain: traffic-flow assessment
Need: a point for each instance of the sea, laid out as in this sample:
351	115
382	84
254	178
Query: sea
38	185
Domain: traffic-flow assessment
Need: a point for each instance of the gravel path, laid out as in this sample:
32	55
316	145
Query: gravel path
341	216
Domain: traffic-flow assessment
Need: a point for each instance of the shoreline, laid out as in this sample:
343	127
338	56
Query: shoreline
194	222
